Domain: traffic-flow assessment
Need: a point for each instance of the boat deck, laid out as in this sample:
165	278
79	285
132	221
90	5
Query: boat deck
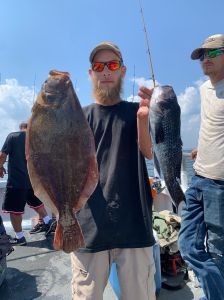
37	271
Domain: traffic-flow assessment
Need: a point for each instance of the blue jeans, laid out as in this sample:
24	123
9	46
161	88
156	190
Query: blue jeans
203	217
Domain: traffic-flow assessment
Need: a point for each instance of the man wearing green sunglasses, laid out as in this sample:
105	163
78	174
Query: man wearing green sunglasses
201	238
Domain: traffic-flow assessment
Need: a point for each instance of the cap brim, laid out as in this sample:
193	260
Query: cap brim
196	53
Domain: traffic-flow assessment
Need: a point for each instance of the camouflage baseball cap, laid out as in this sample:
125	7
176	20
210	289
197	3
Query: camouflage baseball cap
212	42
105	46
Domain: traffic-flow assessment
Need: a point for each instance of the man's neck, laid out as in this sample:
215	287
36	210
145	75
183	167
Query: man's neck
216	78
108	102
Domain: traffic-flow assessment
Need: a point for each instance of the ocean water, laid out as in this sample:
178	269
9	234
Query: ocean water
187	165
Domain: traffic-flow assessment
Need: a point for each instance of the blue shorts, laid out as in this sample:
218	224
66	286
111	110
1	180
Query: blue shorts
16	199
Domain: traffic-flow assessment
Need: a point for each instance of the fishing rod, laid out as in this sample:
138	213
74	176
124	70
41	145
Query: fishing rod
133	89
147	43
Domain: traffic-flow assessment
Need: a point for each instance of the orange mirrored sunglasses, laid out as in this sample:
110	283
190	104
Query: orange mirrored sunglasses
112	65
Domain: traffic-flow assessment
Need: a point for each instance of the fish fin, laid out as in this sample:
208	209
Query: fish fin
156	165
90	185
159	133
68	238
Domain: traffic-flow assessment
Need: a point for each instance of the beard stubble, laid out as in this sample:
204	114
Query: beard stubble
107	96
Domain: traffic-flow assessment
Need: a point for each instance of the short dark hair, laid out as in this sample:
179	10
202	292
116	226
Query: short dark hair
23	125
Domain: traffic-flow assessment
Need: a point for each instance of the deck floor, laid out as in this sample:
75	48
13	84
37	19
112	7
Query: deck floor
36	271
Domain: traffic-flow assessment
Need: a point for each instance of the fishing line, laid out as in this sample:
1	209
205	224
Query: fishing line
133	88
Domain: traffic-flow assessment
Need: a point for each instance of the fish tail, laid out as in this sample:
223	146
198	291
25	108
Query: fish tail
68	238
58	237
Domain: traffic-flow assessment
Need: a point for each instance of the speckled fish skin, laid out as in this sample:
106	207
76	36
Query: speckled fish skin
61	157
166	137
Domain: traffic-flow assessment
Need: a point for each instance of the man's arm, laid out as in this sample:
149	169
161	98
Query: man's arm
3	157
144	138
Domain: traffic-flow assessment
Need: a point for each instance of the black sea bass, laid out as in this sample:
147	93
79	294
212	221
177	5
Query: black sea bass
167	144
61	157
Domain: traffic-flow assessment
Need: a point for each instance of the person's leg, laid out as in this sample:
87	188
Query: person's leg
41	210
90	272
136	270
213	199
16	221
48	225
14	203
192	241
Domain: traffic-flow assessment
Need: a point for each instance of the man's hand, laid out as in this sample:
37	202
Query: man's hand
2	172
194	153
145	95
3	157
144	139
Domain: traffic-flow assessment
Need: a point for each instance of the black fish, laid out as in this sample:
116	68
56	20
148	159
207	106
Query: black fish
167	144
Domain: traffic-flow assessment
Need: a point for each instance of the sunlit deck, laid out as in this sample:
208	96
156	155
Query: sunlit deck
36	271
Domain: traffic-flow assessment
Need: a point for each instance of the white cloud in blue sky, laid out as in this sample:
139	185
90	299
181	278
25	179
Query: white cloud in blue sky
189	101
15	106
16	102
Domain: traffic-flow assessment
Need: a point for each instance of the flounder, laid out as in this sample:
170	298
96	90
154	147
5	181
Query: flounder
61	158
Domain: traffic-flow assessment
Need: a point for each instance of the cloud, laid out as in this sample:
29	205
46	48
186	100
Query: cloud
16	102
140	81
189	101
133	98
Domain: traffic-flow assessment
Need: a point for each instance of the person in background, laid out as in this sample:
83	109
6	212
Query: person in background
203	212
19	191
117	219
41	227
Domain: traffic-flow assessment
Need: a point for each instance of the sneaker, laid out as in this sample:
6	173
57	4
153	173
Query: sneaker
50	227
39	227
18	242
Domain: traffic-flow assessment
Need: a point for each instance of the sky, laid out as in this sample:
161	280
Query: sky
37	36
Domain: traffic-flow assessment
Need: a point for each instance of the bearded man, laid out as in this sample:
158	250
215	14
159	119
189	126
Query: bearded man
117	220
